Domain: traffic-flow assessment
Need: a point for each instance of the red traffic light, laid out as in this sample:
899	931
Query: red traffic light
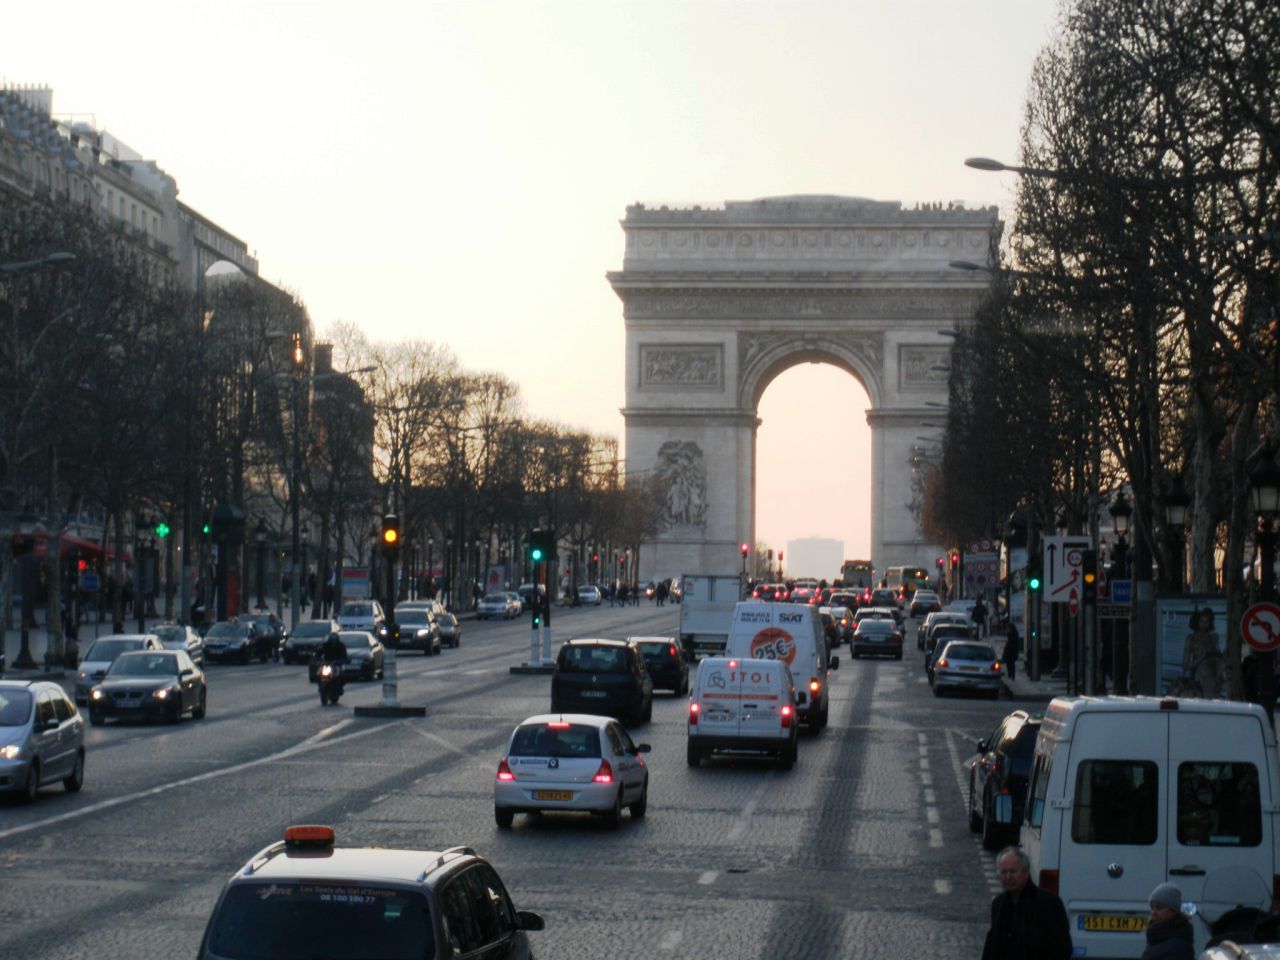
955	557
622	560
745	549
595	558
942	561
82	565
779	556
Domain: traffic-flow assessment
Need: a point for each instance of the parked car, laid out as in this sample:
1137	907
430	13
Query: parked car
589	595
103	653
235	640
150	684
419	630
968	665
410	903
495	605
1002	767
450	629
571	762
307	637
877	637
41	738
177	636
602	676
363	615
666	664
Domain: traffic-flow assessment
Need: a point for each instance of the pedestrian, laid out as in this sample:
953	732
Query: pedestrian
979	616
1169	933
1027	922
1012	647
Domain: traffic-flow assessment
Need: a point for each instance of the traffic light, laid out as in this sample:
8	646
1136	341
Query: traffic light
1033	580
941	562
955	558
1089	575
745	550
162	530
539	549
82	565
390	534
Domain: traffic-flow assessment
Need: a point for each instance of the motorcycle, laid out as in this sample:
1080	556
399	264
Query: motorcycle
330	683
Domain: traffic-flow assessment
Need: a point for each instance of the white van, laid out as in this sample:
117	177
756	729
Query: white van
743	706
792	633
1130	792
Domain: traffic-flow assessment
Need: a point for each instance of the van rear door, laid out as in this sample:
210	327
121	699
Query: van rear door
719	698
1221	836
1112	851
761	688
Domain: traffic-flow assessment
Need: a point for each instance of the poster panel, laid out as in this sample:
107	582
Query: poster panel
1174	626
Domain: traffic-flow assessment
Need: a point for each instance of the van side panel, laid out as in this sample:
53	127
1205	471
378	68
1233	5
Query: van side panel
1109	820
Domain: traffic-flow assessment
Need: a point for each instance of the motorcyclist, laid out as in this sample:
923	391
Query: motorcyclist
333	652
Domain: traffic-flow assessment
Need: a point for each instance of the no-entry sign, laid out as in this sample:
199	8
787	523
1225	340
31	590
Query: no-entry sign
1261	626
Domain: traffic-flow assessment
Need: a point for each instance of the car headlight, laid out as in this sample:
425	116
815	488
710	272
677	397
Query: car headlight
10	751
165	693
97	694
423	633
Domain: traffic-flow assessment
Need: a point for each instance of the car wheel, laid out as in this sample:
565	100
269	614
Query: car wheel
684	687
991	834
96	718
898	655
693	756
198	711
366	672
504	817
244	658
787	759
641	806
175	713
75	781
975	821
613	816
937	690
648	712
824	716
32	787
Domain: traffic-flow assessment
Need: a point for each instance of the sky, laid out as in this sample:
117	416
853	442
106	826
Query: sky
455	170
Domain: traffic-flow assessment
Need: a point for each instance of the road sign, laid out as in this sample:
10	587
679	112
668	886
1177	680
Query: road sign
1063	557
89	582
1261	626
1121	592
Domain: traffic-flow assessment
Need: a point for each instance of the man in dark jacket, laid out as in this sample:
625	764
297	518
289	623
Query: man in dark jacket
1169	933
1027	923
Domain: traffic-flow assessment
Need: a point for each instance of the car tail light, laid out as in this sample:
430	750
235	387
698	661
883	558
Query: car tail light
1049	881
604	774
694	709
786	716
814	685
672	650
504	770
309	835
942	662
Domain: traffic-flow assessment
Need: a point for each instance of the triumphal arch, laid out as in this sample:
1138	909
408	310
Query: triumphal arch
720	300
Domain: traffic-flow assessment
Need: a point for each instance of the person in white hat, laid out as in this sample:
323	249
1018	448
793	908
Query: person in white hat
1169	933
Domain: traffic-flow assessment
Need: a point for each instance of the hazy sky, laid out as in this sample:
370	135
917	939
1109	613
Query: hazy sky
455	171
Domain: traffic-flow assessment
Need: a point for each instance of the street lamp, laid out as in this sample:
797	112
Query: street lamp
260	538
1175	502
1264	485
431	570
1120	512
305	533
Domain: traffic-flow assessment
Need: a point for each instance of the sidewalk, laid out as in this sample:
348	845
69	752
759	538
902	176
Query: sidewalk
1044	689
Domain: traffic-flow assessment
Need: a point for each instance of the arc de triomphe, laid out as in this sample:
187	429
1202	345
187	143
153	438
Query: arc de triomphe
719	301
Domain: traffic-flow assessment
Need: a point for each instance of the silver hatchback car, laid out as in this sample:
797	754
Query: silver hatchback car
41	738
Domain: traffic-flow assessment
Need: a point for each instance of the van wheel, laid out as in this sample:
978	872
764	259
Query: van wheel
693	756
991	836
975	821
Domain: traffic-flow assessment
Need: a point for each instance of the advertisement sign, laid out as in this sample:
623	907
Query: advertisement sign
355	582
1174	626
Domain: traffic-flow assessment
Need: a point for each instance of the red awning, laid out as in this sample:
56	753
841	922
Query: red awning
70	544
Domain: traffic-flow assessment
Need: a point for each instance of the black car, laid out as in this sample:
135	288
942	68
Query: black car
418	631
151	684
667	666
1003	765
270	626
233	640
606	677
305	897
306	639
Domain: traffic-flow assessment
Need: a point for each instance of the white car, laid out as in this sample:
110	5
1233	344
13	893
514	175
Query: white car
589	594
363	615
571	761
497	605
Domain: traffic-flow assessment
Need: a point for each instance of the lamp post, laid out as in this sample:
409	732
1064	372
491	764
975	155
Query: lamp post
1121	513
1175	503
305	533
260	539
1264	485
431	570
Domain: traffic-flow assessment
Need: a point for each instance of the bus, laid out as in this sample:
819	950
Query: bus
905	581
857	573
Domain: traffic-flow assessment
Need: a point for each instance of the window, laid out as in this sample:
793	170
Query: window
1219	805
44	709
493	912
1037	791
63	707
1116	802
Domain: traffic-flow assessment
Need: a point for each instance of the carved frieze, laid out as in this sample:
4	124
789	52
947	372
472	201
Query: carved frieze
922	367
797	304
688	366
684	475
867	346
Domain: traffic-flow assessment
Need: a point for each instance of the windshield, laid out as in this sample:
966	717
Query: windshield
110	649
555	740
316	628
655	649
226	630
336	921
408	617
357	610
144	665
15	707
169	635
970	651
593	660
495	599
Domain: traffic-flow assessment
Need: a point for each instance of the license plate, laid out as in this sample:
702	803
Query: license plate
128	704
594	693
969	669
1112	923
553	794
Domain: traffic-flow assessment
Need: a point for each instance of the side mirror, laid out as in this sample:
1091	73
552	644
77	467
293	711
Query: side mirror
528	920
188	673
643	748
1004	808
50	724
982	746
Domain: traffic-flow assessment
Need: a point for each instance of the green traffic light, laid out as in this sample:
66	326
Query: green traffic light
162	529
205	529
1034	583
536	553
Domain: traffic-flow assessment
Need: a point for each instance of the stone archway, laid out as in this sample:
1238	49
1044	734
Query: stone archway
717	302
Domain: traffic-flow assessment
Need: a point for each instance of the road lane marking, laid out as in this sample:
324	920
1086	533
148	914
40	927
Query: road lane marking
924	763
670	940
931	814
708	877
942	886
926	779
935	838
923	738
930	796
744	819
324	738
